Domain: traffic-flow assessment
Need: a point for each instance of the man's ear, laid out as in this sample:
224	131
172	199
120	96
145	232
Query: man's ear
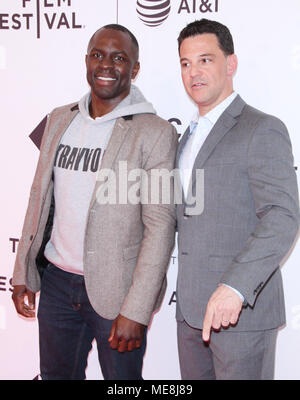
135	70
232	63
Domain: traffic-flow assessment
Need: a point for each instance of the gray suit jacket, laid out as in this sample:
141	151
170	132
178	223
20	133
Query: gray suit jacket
127	246
249	222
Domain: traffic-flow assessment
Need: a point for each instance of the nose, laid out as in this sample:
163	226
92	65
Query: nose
195	70
106	62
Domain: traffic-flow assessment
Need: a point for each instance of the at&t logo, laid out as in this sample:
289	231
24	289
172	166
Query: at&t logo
153	12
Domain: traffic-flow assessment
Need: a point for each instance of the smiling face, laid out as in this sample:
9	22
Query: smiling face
206	71
111	63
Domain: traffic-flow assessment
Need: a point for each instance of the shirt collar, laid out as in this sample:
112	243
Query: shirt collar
214	114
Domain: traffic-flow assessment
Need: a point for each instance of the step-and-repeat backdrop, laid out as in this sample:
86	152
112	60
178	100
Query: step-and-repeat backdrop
42	50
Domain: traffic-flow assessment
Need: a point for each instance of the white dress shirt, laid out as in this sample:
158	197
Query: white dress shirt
200	127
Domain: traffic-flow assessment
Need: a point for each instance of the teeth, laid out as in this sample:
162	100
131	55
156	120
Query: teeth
103	78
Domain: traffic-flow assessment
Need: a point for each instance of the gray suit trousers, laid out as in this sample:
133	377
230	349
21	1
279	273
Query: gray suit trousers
230	355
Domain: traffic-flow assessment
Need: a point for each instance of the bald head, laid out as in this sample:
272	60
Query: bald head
120	28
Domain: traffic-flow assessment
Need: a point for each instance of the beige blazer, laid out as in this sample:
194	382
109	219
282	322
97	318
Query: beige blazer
127	246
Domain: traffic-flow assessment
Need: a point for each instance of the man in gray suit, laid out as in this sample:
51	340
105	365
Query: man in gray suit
102	258
230	299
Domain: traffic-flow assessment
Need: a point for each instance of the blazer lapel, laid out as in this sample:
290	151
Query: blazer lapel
114	145
115	142
181	145
51	145
61	128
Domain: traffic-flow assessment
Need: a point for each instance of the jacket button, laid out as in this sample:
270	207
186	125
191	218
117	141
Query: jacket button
31	237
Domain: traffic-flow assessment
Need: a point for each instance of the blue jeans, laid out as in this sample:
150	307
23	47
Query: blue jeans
67	326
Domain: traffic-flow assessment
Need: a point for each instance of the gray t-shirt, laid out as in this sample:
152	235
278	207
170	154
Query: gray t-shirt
76	167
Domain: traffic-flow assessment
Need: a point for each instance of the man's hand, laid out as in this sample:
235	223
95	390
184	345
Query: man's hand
126	335
223	309
24	301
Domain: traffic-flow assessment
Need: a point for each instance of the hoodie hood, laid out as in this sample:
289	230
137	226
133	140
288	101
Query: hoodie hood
134	103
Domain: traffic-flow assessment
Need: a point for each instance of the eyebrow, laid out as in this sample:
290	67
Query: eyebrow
207	55
114	52
200	56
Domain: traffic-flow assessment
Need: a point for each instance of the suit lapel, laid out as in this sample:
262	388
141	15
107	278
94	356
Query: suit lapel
219	130
224	124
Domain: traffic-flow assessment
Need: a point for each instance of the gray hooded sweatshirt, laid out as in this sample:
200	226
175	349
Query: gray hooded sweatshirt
76	165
